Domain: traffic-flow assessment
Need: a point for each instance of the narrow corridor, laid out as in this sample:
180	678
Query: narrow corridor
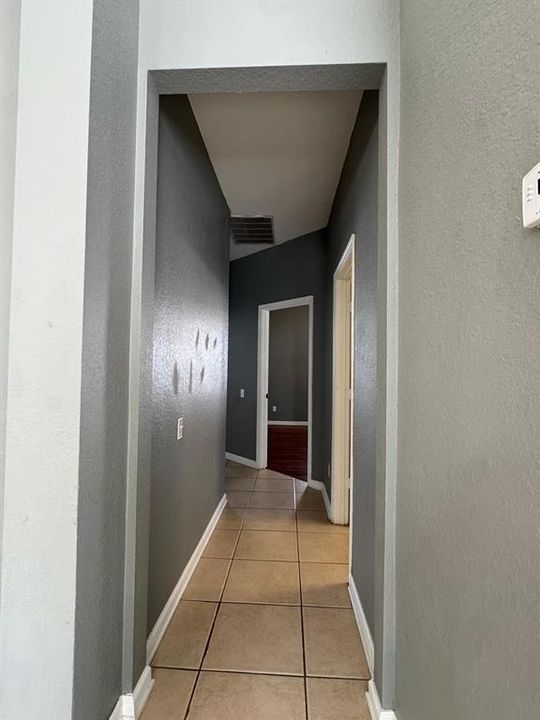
265	629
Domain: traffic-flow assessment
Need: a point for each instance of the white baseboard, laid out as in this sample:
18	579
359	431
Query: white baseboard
170	606
321	487
363	627
131	705
118	712
297	423
142	690
241	460
374	705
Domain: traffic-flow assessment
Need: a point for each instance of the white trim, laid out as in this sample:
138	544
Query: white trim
342	381
118	712
262	375
241	460
142	690
300	423
374	705
290	303
321	487
170	606
362	623
131	705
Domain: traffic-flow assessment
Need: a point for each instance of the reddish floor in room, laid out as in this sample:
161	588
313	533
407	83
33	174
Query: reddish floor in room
287	450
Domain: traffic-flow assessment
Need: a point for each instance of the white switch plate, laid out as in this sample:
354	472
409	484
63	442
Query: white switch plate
242	393
274	408
531	198
180	428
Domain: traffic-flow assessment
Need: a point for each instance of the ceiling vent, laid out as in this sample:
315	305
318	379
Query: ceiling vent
253	230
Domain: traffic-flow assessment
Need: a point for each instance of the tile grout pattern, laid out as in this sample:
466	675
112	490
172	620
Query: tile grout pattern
253	683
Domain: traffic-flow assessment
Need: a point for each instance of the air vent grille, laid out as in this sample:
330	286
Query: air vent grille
255	229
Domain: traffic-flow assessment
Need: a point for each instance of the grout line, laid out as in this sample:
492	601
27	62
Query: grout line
188	708
265	672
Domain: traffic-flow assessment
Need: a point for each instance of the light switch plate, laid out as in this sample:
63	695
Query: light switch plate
531	198
242	392
180	428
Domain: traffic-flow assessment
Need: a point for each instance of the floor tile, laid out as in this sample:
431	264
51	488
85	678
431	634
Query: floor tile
170	695
276	500
267	545
309	499
264	519
185	639
256	638
337	699
272	474
323	547
237	499
240	471
231	519
208	580
284	485
332	643
325	585
221	544
239	484
317	521
263	581
233	696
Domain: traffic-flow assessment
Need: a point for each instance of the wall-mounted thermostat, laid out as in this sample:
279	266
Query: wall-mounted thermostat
531	198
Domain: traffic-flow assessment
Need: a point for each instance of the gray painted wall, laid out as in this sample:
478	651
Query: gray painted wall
190	349
355	211
468	505
288	364
103	443
293	269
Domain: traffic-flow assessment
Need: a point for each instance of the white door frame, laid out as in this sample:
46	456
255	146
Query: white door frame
342	388
262	375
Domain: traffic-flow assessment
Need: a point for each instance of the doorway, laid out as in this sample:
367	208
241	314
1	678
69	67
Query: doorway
342	386
284	386
263	79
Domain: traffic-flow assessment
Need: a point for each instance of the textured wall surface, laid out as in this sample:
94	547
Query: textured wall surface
288	363
39	526
190	349
355	211
290	270
469	453
105	361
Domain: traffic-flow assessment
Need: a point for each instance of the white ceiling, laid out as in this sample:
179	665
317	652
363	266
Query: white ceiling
278	154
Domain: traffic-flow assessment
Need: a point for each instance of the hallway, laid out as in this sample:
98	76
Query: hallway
265	627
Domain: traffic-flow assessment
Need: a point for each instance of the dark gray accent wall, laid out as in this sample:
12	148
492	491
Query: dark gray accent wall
105	361
355	210
293	269
288	364
190	349
468	500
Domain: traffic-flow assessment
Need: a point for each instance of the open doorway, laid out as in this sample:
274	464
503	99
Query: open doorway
244	397
284	386
343	384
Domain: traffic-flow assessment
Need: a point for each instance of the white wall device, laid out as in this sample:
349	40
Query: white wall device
180	428
531	198
242	394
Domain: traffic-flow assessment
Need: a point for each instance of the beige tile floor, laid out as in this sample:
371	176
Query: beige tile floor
265	629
